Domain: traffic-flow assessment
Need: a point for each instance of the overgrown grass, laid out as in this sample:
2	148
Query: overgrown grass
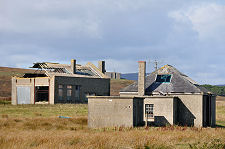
220	113
38	126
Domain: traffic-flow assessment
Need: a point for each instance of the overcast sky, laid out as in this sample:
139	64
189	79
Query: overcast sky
188	34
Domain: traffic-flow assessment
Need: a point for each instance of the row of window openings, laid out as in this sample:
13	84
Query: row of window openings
69	89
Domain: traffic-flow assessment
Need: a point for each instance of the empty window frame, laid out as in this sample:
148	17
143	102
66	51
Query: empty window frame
77	92
149	111
60	92
165	78
69	92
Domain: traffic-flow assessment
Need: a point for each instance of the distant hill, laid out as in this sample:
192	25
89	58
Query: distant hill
6	74
130	76
218	90
221	85
117	85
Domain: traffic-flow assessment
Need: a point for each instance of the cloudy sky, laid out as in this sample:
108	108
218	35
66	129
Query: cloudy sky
187	34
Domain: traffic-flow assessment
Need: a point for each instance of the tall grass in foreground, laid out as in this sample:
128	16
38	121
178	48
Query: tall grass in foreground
73	133
38	126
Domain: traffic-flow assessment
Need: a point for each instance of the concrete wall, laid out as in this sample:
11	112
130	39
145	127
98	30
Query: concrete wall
113	111
190	110
88	86
32	83
13	92
164	109
122	94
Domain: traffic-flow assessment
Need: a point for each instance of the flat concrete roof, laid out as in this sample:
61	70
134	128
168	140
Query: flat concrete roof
125	97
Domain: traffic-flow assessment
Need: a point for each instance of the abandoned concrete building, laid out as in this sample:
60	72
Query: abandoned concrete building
60	83
164	97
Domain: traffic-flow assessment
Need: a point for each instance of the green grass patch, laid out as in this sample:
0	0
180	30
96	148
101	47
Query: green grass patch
5	102
69	110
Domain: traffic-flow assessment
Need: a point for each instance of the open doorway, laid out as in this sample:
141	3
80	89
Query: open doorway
42	94
207	110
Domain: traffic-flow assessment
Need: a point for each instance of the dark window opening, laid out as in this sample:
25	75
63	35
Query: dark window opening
166	78
69	92
77	92
60	92
41	94
33	75
149	110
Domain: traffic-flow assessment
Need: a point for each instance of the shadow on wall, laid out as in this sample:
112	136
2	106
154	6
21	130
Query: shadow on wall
184	115
161	121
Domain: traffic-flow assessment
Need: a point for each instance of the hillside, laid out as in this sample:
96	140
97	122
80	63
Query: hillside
5	79
116	85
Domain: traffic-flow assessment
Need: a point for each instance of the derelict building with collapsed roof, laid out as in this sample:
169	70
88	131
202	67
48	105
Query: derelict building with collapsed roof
60	83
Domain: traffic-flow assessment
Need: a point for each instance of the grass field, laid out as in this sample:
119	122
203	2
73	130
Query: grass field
39	126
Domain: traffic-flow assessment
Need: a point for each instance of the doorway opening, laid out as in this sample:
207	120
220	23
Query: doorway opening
41	94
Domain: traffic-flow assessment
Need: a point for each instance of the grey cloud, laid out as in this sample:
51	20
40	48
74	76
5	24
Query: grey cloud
120	32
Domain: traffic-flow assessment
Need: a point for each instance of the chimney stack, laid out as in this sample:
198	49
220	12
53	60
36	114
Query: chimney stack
101	66
141	78
73	66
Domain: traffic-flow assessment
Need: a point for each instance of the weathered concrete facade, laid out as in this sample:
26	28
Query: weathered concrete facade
169	98
165	110
114	111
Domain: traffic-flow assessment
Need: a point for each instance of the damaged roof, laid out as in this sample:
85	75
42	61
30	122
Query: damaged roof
57	69
179	83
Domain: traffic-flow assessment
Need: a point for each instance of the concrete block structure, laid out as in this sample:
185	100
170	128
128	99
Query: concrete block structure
114	111
169	98
113	75
60	83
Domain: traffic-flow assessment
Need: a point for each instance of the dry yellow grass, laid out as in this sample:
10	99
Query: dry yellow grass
44	129
73	133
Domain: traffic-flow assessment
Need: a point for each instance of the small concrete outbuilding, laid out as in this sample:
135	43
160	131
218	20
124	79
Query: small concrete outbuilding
168	97
60	83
